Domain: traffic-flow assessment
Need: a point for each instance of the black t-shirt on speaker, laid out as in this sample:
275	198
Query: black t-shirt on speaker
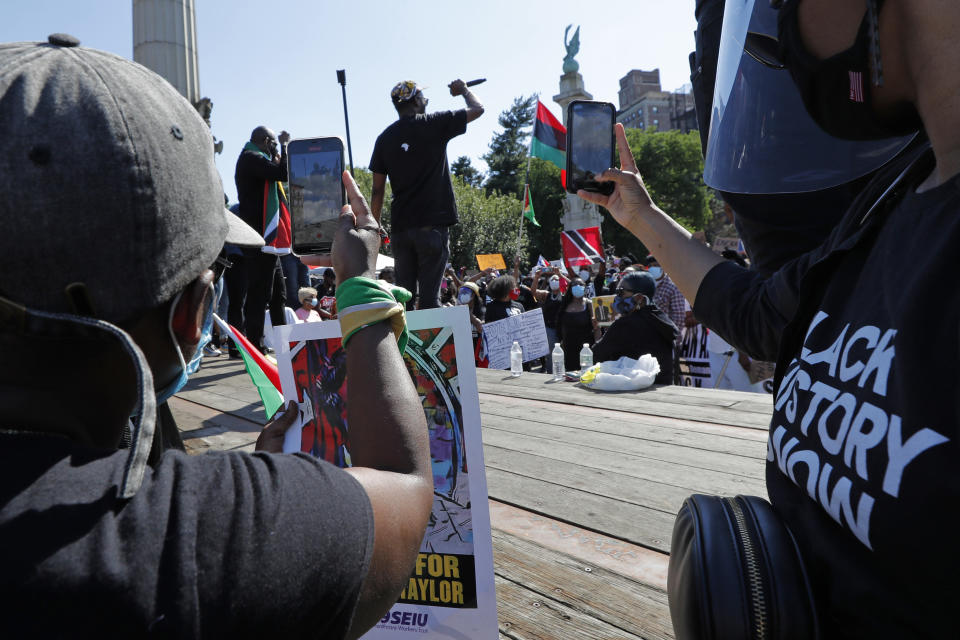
412	152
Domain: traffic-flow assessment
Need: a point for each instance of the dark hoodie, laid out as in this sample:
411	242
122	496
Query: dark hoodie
646	330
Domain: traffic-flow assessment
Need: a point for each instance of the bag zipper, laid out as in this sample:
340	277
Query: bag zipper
754	577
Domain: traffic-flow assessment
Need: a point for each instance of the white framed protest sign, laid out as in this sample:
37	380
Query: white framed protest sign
451	593
526	328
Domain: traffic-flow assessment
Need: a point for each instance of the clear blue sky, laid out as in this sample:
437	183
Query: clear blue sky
274	62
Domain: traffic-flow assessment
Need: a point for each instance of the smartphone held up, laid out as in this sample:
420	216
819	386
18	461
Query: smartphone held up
316	192
590	145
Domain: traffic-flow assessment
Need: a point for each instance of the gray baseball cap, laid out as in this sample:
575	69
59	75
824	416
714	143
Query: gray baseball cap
107	178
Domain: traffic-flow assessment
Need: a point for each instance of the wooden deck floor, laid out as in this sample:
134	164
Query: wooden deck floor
583	487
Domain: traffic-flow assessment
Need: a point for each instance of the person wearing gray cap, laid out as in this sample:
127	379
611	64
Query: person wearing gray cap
106	283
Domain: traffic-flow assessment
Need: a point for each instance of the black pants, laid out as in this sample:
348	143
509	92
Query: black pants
236	282
296	275
264	282
421	256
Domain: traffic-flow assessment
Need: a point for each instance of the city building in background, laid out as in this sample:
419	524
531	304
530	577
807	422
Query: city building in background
644	104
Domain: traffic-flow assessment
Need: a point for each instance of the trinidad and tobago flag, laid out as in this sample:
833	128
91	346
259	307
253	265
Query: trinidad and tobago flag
582	247
549	140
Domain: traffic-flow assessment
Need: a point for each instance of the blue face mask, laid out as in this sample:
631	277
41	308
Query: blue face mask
577	290
187	368
623	305
655	272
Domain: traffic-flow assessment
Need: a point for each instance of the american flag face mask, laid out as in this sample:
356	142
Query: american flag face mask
836	91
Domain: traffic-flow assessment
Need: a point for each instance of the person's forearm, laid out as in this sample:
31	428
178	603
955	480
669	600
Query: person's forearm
388	430
376	202
684	258
474	108
471	100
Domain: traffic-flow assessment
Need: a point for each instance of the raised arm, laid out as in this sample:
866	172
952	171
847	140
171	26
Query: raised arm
388	432
474	108
452	273
538	294
684	258
748	311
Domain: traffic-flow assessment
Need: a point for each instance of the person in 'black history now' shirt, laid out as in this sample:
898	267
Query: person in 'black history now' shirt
862	460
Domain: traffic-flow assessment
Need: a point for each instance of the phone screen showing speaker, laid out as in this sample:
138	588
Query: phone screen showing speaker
590	145
316	192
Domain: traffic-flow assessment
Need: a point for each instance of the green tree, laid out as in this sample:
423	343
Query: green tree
364	180
507	158
548	195
464	169
671	163
488	224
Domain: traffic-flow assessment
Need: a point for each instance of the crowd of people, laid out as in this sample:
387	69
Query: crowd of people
101	510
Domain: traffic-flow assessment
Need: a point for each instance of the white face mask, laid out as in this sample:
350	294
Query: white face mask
554	285
464	298
584	275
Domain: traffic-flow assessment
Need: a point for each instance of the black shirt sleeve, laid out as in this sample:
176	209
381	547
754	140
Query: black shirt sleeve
285	538
449	124
377	162
612	343
748	311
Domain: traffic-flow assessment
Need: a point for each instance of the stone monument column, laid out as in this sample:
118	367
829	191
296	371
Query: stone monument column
577	213
165	41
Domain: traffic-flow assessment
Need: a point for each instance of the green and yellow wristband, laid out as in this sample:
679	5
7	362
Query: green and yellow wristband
362	302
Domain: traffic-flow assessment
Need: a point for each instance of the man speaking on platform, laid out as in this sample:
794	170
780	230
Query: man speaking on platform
413	153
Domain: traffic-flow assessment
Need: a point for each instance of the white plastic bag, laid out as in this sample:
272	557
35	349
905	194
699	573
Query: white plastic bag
625	374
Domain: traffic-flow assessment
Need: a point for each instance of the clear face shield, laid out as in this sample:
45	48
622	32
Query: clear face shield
761	139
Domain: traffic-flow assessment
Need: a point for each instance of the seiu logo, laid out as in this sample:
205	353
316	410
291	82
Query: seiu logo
405	618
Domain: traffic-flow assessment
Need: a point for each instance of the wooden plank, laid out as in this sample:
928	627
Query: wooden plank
588	589
526	615
691	478
636	563
636	403
752	416
602	482
745	465
628	425
641	525
695	395
496	404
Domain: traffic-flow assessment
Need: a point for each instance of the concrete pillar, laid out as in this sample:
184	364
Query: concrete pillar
165	41
577	213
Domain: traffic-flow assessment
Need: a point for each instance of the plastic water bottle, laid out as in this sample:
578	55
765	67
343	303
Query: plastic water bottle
516	360
586	357
558	369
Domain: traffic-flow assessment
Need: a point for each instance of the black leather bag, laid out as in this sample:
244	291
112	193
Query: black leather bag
736	573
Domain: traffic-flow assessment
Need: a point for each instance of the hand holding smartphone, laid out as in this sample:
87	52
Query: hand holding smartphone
590	145
316	192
